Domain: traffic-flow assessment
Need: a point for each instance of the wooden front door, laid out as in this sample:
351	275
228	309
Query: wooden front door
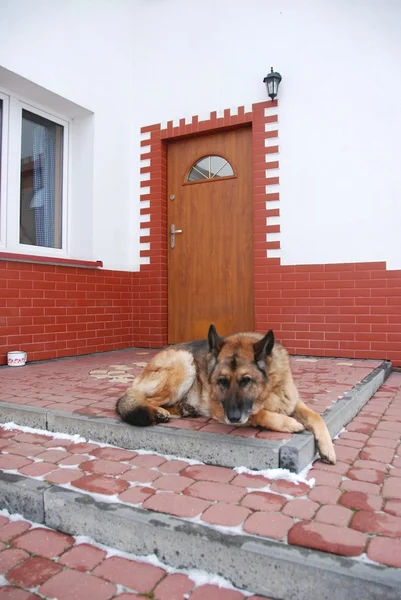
210	267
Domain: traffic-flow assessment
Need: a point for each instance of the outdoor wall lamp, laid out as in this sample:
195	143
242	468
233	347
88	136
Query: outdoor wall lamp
272	81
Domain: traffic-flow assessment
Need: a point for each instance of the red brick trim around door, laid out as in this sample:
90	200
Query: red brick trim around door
150	293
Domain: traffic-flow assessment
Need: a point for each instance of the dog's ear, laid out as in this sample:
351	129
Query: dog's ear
264	347
215	341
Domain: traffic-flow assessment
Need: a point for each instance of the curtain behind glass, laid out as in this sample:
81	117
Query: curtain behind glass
41	182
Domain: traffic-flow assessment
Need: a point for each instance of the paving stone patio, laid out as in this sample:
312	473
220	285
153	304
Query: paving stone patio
37	563
354	507
91	385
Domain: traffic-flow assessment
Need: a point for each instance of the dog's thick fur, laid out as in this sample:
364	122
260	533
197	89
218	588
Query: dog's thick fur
242	379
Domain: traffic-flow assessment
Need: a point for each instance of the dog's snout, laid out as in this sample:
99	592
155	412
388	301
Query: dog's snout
234	415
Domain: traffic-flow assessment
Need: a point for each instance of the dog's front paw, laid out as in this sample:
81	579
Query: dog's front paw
293	426
162	415
187	410
326	451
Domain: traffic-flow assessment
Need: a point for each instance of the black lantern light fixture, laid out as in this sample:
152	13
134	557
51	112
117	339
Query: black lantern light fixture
272	81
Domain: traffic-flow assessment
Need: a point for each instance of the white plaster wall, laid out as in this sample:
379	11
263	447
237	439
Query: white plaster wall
137	62
340	121
82	50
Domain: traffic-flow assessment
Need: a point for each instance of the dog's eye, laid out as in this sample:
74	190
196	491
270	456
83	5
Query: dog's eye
223	382
245	381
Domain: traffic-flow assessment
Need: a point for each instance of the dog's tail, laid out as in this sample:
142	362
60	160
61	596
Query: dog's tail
135	410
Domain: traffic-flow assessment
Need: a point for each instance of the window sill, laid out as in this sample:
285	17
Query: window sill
48	260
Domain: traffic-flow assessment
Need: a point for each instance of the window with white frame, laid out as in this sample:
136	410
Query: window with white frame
33	204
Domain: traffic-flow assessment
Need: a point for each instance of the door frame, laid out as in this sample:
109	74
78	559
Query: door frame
150	293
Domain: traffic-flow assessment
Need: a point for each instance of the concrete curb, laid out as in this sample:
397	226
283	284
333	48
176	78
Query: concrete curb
212	448
259	565
300	450
19	494
218	449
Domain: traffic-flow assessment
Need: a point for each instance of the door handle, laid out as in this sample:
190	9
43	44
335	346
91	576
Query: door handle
173	231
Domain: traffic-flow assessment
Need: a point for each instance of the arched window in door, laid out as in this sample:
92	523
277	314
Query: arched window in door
210	167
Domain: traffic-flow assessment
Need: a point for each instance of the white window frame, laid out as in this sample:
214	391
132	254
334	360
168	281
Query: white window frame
11	178
4	170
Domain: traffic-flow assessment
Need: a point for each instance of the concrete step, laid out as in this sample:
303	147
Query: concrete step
39	560
191	438
257	564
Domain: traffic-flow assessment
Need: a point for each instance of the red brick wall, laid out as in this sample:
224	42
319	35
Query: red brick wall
52	311
344	310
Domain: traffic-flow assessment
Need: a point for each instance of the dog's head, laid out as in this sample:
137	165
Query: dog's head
238	375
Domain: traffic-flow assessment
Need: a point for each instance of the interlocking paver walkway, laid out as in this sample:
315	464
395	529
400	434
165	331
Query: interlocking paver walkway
353	509
37	562
91	385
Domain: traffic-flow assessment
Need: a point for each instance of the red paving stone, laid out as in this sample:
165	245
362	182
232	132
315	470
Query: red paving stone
386	551
10	557
173	587
79	586
100	484
334	515
33	572
175	504
212	592
370	522
83	557
136	576
263	501
271	525
225	515
301	508
220	492
44	542
9	593
172	483
328	538
12	530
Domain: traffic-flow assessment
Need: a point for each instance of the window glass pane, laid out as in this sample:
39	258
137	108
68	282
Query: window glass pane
203	166
210	167
195	175
41	181
220	167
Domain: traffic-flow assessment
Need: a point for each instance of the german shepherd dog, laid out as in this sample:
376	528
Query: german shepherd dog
244	378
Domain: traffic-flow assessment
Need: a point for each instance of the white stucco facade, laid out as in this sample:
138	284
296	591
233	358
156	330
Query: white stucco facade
112	66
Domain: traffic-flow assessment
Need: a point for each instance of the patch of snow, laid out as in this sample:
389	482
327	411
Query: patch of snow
365	559
283	474
61	436
339	433
190	461
267	488
12	517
